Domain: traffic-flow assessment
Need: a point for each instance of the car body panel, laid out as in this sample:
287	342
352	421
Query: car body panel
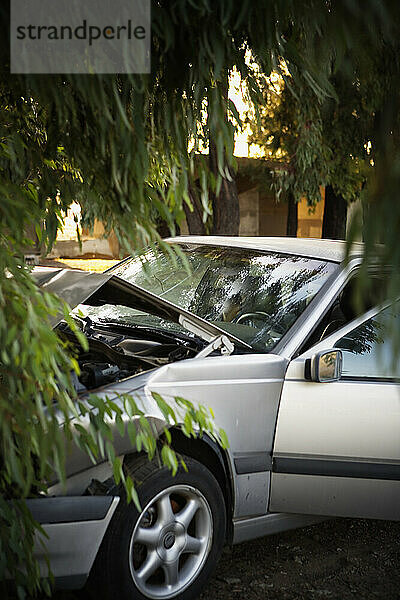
243	392
350	421
72	541
73	286
250	384
336	496
256	527
332	250
79	461
337	444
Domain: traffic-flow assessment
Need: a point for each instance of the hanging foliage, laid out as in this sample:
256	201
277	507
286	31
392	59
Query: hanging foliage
124	148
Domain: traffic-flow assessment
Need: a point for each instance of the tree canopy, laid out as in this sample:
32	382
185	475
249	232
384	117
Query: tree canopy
124	147
337	141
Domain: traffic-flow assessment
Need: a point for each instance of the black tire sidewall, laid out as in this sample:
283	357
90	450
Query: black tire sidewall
124	521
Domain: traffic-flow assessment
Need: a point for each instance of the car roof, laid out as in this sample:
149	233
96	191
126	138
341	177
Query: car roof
332	250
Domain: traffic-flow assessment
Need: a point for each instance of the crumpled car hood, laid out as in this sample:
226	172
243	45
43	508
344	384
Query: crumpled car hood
78	287
71	285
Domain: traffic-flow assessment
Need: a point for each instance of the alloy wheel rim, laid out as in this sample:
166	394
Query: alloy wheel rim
170	542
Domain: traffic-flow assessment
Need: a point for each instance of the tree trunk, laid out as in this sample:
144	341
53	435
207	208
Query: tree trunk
194	218
292	219
335	216
226	215
225	205
163	228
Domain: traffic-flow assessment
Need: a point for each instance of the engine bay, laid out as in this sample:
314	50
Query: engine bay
118	351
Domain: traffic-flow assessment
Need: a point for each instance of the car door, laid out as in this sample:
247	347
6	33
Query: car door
337	444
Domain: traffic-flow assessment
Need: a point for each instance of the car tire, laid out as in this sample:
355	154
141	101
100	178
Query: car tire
170	548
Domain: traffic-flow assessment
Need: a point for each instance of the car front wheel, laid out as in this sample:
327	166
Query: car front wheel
170	548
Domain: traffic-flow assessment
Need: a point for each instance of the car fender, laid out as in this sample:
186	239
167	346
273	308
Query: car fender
243	393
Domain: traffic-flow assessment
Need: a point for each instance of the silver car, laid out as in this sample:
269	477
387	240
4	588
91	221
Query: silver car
262	331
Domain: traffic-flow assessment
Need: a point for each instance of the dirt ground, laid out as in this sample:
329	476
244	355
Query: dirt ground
337	560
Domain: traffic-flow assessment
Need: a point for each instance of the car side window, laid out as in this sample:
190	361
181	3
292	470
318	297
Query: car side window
369	350
343	309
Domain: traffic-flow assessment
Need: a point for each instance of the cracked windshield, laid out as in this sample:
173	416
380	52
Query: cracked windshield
254	296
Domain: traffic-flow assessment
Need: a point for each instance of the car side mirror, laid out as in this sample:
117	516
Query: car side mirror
324	366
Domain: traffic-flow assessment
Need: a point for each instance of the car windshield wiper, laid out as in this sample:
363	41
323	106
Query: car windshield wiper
187	339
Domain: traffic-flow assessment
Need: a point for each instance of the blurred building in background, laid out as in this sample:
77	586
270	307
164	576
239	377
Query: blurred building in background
93	243
260	215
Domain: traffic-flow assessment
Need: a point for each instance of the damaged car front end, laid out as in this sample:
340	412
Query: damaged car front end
207	328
